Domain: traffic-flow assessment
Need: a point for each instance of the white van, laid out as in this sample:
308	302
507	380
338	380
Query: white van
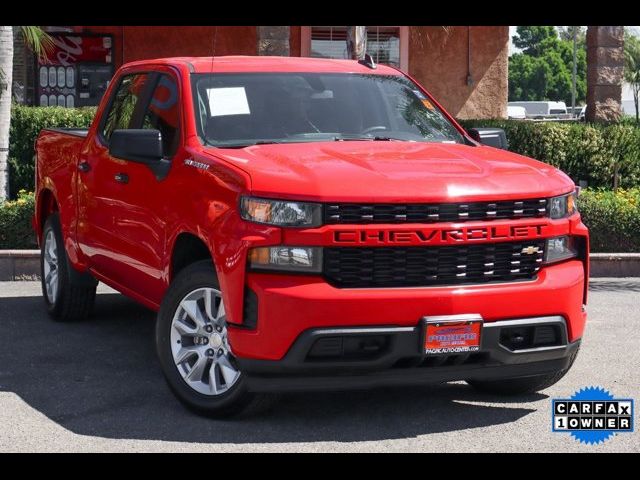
517	113
542	109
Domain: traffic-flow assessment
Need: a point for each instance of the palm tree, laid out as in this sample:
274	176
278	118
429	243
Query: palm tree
356	42
632	68
40	42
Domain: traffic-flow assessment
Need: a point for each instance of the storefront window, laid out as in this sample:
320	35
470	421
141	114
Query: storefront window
383	43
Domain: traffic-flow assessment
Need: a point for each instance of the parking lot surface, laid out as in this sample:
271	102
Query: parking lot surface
96	386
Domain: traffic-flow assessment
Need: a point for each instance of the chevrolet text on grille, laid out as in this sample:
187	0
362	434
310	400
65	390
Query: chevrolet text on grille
437	235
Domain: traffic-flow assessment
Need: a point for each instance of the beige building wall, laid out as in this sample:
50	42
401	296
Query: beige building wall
468	86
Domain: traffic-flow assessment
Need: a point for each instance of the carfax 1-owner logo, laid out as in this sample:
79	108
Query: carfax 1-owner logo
592	415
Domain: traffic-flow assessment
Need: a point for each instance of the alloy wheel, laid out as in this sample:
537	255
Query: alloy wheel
51	266
199	343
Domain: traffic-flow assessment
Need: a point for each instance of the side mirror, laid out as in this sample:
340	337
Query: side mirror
137	145
493	137
142	146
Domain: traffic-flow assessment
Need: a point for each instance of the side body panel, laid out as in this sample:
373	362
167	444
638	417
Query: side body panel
56	176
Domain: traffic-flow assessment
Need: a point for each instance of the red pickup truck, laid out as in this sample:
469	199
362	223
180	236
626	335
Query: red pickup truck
305	224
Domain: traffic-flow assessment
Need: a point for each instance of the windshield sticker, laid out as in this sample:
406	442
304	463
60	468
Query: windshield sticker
427	104
228	101
419	94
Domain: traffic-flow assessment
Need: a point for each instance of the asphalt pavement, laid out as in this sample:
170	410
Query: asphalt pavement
96	386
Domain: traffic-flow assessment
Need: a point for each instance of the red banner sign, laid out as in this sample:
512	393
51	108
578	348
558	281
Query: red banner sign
73	49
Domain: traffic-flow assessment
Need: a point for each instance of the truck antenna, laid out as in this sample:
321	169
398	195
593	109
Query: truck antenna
215	36
368	61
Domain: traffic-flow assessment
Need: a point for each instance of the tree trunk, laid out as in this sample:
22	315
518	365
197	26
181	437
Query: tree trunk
6	80
356	42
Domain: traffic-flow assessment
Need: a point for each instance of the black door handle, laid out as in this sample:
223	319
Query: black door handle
84	167
121	178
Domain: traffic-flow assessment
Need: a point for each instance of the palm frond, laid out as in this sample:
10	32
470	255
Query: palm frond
39	41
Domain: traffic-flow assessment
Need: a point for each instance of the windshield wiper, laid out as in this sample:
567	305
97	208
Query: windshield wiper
336	138
377	138
390	139
244	145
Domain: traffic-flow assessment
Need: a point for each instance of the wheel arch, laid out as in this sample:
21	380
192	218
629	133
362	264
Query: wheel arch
187	248
45	206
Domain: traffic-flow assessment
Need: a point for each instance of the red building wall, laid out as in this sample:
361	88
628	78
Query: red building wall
137	43
440	58
295	41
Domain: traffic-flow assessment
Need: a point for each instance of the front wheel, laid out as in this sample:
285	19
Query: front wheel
193	347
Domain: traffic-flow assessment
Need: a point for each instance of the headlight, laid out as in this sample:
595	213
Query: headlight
281	212
562	206
292	259
560	248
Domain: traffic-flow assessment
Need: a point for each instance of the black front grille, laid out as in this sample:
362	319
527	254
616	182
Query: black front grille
355	267
341	213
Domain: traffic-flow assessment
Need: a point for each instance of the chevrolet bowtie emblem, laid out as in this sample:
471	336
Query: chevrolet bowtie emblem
530	250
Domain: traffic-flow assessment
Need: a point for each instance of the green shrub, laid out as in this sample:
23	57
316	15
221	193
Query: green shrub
26	123
613	219
602	155
15	222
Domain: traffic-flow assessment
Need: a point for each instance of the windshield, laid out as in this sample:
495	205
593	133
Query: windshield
238	110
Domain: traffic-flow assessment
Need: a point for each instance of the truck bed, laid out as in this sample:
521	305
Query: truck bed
57	152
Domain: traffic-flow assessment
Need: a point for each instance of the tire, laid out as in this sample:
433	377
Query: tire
522	385
211	390
68	295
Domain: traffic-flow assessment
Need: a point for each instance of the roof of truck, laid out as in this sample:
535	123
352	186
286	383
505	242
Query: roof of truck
240	64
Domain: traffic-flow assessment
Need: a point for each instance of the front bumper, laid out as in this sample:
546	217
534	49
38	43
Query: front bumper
399	360
289	305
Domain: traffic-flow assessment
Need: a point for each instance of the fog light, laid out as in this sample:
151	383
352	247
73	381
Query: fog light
292	259
560	248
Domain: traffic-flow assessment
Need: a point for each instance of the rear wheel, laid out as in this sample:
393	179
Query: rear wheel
193	347
68	295
522	385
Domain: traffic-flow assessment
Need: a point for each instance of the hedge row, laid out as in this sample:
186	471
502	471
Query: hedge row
602	155
612	217
15	222
26	123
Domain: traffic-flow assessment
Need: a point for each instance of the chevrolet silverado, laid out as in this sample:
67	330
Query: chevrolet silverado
303	224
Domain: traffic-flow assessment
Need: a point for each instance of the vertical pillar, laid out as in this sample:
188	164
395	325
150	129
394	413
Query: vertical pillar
605	68
273	41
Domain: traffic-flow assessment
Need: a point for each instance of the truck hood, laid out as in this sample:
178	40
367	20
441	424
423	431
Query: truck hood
393	171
